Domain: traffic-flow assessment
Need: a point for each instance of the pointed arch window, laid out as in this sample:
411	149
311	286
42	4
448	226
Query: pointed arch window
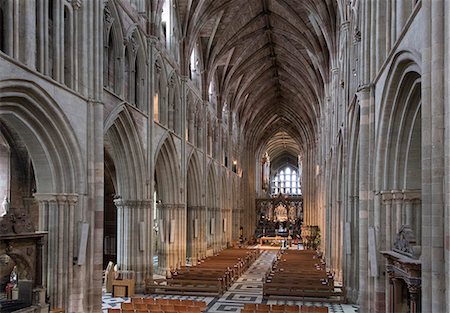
286	181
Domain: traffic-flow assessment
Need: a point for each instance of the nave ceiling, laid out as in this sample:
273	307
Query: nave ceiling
271	61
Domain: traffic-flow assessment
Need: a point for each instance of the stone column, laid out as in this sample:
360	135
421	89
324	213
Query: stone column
28	33
133	238
434	107
387	204
196	242
410	196
364	164
417	219
414	293
39	291
57	217
397	197
172	252
398	294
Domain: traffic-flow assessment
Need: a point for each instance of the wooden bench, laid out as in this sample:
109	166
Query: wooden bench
212	276
301	274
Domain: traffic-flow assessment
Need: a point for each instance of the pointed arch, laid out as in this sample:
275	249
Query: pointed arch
160	113
47	135
167	171
123	144
399	146
113	55
194	180
399	113
212	192
174	103
135	68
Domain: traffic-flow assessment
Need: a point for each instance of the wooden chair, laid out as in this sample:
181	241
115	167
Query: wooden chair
201	304
140	306
126	306
277	308
181	308
148	300
153	307
194	309
187	302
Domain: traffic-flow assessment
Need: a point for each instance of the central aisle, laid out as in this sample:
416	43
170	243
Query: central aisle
247	289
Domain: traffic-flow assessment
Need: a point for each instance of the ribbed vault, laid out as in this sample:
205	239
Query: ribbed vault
269	59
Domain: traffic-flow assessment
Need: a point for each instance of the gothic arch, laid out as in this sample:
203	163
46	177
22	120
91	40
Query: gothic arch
195	211
167	171
212	192
160	92
123	144
398	151
174	103
113	39
47	135
194	180
136	66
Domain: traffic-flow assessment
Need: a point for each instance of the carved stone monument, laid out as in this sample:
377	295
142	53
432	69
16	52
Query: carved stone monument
404	269
20	241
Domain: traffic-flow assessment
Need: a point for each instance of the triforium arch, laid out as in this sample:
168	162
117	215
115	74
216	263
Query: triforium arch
174	104
124	145
30	112
170	210
196	210
135	69
113	55
160	94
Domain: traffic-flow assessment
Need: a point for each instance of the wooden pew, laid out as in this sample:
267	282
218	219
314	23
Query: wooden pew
301	274
212	276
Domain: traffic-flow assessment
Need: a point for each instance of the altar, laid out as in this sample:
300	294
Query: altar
279	219
276	240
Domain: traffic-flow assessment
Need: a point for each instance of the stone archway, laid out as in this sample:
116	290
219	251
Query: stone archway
170	209
46	135
212	207
398	174
196	212
124	158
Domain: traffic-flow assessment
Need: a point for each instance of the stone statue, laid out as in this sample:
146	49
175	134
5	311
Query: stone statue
5	207
13	277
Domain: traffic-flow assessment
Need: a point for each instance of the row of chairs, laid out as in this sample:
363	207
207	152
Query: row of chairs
279	308
145	305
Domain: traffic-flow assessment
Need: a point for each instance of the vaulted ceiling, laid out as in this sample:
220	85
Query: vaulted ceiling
271	60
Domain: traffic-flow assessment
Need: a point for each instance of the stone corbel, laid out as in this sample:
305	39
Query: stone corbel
76	4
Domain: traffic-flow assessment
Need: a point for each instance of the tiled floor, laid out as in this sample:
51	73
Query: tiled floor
247	289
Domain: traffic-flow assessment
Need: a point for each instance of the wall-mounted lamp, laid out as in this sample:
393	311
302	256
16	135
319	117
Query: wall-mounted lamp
234	167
